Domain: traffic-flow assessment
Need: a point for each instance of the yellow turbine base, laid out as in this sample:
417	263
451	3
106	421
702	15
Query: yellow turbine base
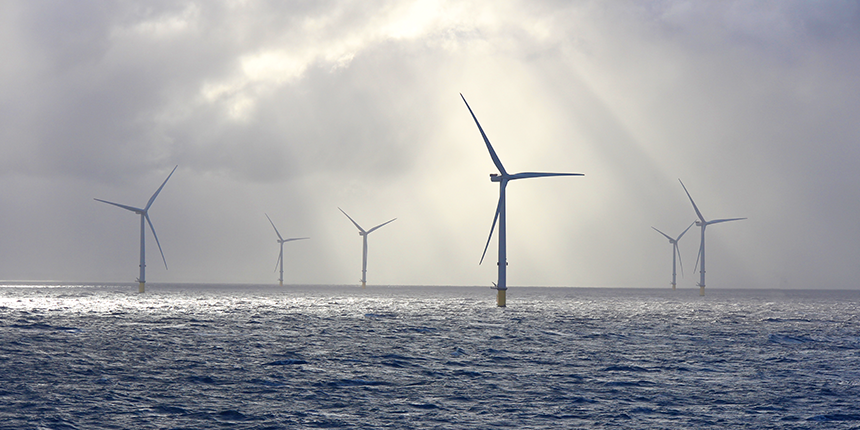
701	291
142	287
673	286
500	298
363	285
281	282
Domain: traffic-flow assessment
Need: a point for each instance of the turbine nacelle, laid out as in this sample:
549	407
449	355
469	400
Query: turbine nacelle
495	177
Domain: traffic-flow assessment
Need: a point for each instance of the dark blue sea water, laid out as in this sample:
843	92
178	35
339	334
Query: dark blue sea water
197	356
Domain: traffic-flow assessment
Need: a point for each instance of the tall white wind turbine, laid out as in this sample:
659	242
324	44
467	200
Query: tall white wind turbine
363	234
702	222
281	241
502	178
144	215
675	251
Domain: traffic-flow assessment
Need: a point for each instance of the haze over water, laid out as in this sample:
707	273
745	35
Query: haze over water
252	356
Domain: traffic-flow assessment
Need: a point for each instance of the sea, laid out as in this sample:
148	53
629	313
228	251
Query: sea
187	356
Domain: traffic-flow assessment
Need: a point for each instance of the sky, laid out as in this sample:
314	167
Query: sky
296	109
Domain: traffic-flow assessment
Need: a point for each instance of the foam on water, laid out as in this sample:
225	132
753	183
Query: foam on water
196	356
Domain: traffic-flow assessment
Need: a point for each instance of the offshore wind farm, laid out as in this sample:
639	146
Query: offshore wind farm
342	120
298	108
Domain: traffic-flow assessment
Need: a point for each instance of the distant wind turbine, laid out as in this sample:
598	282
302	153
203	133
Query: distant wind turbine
702	222
675	251
281	240
363	234
144	215
502	178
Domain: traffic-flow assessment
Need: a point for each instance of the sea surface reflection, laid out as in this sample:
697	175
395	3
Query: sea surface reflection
251	356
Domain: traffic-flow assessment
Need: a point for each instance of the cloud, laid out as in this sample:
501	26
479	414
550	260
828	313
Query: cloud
295	109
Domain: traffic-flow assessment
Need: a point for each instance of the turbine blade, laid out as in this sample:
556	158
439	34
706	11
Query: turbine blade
680	263
525	175
152	199
717	221
273	226
280	258
295	238
493	227
353	221
130	208
493	155
685	231
696	208
380	225
146	215
664	234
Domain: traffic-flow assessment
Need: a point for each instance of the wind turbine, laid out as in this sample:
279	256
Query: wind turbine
281	240
502	178
363	234
675	250
144	215
702	222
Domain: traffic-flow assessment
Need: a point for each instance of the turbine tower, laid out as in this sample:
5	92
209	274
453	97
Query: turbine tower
281	240
675	251
502	178
144	215
363	234
702	222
